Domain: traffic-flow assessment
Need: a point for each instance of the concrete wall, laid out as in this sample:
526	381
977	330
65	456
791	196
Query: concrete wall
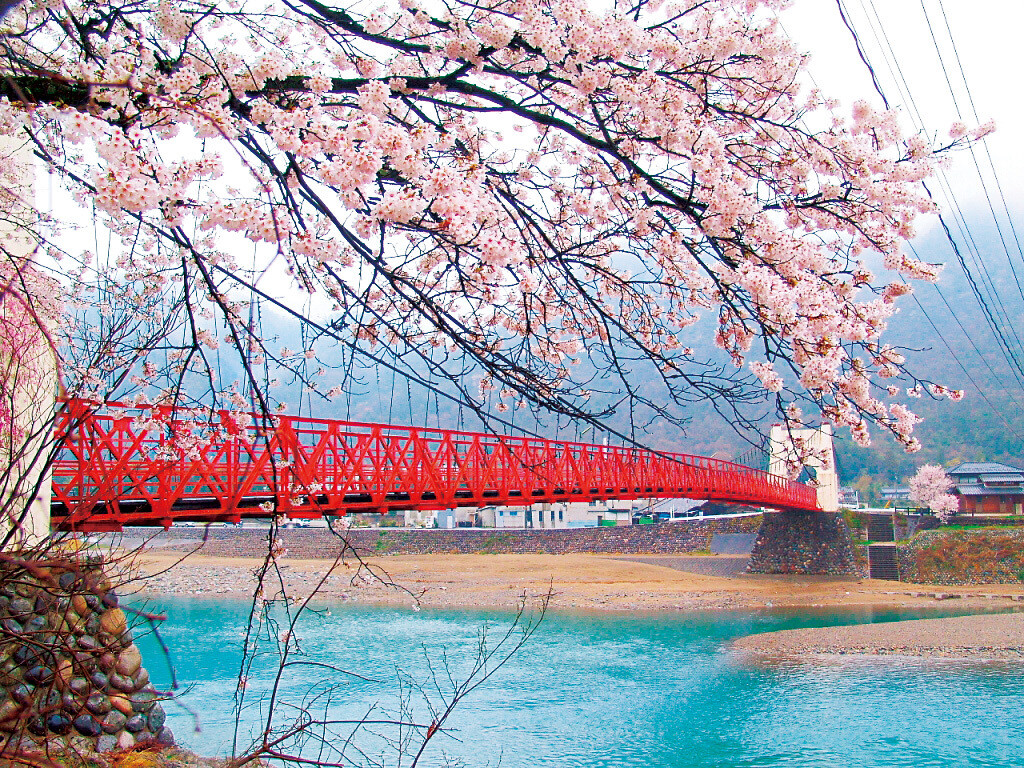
29	378
663	538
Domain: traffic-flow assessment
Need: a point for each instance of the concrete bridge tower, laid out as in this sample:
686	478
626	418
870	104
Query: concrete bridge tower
819	457
805	542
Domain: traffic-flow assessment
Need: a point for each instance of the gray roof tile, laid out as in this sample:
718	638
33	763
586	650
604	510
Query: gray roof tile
983	468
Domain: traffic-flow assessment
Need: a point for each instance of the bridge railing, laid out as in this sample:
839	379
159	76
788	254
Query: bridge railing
156	464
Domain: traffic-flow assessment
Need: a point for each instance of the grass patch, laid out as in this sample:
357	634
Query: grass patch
495	544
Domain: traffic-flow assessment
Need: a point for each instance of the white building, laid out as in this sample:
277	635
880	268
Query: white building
562	514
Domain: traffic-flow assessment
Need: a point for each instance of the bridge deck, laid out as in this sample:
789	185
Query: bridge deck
121	465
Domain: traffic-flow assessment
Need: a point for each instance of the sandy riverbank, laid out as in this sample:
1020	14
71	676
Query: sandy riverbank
626	583
994	636
578	582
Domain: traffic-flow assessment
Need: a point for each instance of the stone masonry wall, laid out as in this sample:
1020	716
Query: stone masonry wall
662	538
804	543
69	669
960	558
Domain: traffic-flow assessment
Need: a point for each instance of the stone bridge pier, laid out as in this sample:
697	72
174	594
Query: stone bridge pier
805	542
808	543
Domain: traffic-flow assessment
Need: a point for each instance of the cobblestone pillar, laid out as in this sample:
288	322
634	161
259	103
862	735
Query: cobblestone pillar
804	543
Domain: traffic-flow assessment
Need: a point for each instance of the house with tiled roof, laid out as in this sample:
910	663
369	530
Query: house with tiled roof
988	488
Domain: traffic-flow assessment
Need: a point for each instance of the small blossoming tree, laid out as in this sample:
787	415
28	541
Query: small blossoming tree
931	487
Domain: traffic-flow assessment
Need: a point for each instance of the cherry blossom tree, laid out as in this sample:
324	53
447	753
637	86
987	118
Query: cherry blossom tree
931	487
530	201
533	204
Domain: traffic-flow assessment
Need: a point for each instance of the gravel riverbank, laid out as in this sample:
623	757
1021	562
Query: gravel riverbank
576	581
991	636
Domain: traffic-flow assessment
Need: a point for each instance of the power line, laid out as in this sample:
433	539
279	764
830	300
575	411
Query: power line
974	156
996	323
967	373
992	317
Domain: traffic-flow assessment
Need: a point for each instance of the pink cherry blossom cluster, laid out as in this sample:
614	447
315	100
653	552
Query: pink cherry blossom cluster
660	168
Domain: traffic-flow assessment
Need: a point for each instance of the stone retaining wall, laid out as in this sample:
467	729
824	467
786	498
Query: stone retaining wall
69	667
810	543
662	538
959	558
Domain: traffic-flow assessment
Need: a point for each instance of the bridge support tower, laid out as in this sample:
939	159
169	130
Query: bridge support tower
818	455
805	542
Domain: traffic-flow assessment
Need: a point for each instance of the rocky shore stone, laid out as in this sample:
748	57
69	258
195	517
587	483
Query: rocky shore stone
36	726
129	661
98	704
9	709
87	726
143	701
107	742
12	626
39	676
69	668
78	684
21	607
121	683
113	621
122	704
69	702
59	723
114	721
22	694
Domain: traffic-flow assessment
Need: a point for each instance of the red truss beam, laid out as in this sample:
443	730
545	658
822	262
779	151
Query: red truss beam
121	465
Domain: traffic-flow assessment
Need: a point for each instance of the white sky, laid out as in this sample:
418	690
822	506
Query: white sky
987	38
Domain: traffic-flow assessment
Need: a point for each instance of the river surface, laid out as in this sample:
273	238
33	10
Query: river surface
590	691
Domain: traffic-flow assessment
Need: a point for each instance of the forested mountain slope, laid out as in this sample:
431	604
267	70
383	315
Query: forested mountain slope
987	424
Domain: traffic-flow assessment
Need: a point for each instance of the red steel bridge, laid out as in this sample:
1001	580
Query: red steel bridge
122	465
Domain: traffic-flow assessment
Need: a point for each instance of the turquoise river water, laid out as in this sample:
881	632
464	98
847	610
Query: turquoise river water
591	691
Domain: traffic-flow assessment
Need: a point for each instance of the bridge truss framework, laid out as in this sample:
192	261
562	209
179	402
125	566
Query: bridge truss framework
124	465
